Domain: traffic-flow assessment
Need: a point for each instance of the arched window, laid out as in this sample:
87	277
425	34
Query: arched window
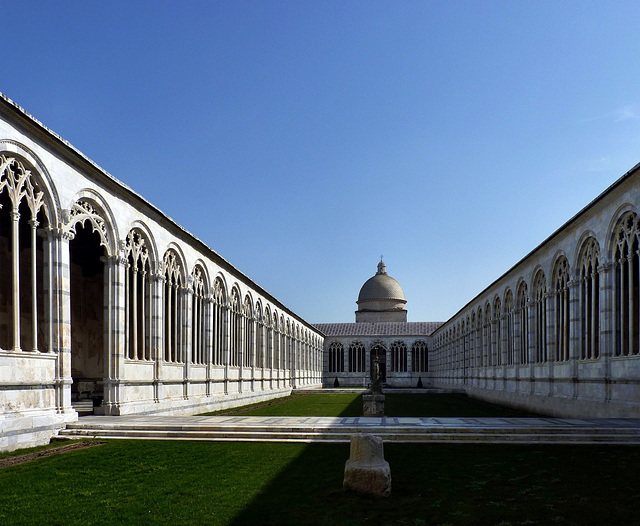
497	329
336	357
137	290
199	317
488	341
356	357
479	338
399	357
627	280
173	308
509	328
540	311
259	337
235	326
523	325
249	350
219	322
419	357
562	300
269	343
590	300
25	280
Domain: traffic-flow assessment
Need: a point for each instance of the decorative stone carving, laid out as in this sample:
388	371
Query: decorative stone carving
367	471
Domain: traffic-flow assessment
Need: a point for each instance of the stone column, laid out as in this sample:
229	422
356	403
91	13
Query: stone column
187	324
156	336
574	337
607	323
114	331
60	321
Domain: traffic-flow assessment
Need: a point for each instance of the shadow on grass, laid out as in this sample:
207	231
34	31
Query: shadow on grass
461	484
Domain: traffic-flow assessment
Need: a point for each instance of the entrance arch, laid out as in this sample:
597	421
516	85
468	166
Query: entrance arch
87	277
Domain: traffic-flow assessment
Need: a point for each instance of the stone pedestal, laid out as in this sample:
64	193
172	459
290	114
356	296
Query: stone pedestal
373	405
367	471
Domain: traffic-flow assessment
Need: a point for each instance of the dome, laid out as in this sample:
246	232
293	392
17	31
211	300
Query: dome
381	299
381	287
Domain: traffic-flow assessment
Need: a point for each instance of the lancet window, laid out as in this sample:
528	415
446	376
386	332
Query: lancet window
336	357
562	300
590	301
399	357
497	329
259	337
523	325
627	280
173	308
269	339
472	339
540	311
356	357
479	338
137	286
249	329
25	284
419	357
219	322
509	327
276	341
235	328
199	310
488	339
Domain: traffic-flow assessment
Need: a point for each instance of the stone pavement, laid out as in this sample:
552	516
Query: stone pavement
339	429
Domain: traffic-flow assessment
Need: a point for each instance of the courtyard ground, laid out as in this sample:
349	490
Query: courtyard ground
173	482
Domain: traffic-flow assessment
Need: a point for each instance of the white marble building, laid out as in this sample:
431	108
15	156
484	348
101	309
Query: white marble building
108	305
380	334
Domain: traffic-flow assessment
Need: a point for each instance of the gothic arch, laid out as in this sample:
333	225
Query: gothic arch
141	226
90	207
616	219
9	148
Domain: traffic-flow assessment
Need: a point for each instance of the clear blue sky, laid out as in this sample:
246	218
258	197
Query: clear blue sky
303	139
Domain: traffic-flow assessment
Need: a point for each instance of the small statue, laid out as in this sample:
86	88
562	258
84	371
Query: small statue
376	386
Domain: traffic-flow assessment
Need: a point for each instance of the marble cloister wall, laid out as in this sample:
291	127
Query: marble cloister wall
104	298
559	332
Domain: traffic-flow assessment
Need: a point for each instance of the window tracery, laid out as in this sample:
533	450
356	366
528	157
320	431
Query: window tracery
590	300
562	300
626	284
137	286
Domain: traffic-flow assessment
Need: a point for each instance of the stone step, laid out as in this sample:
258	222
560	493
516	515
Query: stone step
83	406
566	436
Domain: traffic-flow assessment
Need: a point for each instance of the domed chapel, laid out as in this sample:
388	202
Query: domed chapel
382	334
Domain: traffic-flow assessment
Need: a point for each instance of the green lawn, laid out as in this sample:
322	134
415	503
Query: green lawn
167	482
396	404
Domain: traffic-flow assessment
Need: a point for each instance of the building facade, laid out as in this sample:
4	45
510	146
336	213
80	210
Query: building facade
381	335
108	305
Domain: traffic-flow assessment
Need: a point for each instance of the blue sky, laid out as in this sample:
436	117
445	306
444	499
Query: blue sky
301	140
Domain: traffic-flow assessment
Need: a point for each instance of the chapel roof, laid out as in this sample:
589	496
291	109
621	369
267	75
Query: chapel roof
410	328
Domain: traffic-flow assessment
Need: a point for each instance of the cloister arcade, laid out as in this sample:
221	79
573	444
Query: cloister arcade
106	301
559	331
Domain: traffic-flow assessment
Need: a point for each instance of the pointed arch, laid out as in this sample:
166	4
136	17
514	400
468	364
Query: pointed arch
589	278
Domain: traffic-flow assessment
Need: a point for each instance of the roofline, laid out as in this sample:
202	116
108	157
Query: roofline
76	158
627	175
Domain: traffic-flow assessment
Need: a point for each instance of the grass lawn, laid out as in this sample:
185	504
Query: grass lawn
396	404
171	482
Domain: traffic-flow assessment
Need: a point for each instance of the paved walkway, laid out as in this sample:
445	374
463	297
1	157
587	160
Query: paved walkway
339	429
